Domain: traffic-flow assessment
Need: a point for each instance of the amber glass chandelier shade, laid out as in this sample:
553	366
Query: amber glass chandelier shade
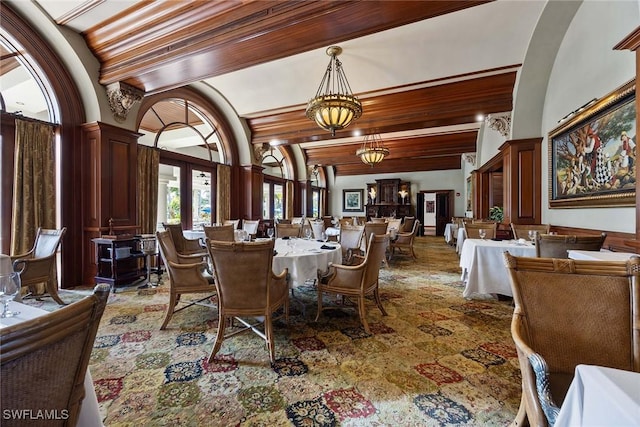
334	107
372	151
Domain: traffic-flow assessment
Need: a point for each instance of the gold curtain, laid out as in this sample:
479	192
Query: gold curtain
34	185
148	169
289	209
223	208
321	203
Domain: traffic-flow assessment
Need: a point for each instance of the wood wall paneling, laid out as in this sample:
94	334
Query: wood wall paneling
109	187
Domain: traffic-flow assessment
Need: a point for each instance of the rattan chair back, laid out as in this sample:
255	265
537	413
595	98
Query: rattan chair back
43	361
247	287
557	246
223	233
521	231
573	312
473	230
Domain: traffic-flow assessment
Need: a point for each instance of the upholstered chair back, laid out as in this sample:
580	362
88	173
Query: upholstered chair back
557	246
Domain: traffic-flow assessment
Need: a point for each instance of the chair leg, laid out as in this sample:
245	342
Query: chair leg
268	331
376	295
172	305
363	314
53	292
413	254
219	337
319	304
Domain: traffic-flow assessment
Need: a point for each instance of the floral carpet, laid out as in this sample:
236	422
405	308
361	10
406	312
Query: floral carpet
435	360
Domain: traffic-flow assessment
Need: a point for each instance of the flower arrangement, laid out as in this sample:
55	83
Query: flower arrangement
496	213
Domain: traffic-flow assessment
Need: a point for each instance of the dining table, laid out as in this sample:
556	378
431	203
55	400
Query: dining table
602	255
460	238
601	396
89	415
450	233
483	269
304	258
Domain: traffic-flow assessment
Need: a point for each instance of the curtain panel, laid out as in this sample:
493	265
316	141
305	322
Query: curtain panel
289	212
148	170
223	205
34	185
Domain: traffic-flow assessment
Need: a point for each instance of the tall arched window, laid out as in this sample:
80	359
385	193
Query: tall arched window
190	147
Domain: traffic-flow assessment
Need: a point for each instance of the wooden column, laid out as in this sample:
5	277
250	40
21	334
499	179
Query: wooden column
252	180
632	42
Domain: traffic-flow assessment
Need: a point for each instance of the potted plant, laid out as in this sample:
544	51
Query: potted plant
496	214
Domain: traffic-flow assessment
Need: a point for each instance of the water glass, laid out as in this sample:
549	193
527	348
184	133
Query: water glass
9	288
532	235
483	233
270	233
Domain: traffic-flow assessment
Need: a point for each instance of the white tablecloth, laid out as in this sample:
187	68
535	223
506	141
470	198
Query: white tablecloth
601	396
305	259
193	234
599	255
89	411
450	230
482	264
462	235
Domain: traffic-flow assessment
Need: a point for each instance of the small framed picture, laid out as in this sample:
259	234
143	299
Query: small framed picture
352	200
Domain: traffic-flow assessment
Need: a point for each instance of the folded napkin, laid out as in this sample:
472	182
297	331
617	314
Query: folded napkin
285	238
327	247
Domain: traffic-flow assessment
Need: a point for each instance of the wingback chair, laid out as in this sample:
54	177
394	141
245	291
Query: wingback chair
187	275
247	288
557	246
572	312
38	265
43	361
251	227
405	241
357	280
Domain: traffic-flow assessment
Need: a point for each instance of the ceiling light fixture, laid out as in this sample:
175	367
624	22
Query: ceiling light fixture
336	107
373	150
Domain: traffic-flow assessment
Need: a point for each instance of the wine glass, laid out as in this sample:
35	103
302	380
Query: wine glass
307	233
325	238
270	233
9	288
532	235
482	233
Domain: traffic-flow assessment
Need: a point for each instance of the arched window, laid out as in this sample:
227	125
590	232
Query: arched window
190	147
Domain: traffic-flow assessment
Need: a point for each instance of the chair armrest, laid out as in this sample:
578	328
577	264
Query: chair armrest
541	372
185	275
191	258
27	255
37	266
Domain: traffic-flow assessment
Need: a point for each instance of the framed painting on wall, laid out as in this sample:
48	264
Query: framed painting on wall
592	155
352	200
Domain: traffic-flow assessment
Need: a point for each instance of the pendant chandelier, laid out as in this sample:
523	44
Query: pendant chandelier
336	107
372	151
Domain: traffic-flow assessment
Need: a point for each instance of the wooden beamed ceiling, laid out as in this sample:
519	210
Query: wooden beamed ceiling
161	45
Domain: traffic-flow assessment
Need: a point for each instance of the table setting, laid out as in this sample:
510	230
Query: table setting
304	257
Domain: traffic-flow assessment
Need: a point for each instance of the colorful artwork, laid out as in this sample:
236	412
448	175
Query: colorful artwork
593	155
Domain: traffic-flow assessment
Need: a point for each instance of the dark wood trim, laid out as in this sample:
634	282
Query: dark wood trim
72	115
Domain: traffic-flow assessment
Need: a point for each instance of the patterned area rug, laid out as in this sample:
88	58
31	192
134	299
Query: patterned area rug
435	360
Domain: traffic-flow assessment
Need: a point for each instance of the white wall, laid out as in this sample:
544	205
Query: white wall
420	181
587	67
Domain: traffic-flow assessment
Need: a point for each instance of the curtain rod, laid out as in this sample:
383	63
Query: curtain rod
30	119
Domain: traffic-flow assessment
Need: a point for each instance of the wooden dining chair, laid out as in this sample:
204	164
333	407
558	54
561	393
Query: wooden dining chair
38	265
369	229
251	227
571	312
357	280
44	361
405	241
248	289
